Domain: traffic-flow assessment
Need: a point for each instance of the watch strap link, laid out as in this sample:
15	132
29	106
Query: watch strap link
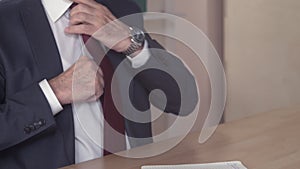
132	48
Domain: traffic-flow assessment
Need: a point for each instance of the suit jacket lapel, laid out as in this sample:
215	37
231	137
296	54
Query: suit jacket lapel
41	39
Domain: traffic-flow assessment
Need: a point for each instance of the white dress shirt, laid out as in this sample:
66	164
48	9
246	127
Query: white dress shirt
88	117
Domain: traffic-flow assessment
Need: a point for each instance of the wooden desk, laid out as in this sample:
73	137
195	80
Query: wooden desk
265	141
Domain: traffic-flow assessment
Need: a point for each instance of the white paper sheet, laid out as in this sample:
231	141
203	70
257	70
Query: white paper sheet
222	165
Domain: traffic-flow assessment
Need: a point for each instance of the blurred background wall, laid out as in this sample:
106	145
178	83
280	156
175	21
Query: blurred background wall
262	55
258	41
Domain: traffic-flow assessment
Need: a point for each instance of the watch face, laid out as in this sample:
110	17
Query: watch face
137	34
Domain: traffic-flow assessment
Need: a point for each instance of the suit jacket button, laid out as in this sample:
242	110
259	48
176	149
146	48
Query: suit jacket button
32	127
27	130
37	125
42	122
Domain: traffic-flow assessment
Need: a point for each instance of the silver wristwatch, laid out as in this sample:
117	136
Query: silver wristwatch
137	40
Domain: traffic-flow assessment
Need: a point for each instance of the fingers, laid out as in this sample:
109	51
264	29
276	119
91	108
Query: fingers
92	18
93	8
100	71
81	29
84	58
85	78
99	87
100	77
91	3
94	5
82	8
93	98
80	18
86	20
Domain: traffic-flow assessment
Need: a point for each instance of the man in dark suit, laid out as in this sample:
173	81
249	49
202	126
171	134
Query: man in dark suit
38	53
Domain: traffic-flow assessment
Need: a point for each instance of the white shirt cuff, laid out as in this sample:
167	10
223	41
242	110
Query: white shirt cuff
56	107
140	59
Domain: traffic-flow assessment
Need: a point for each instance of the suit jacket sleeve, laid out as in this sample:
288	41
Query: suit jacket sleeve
168	74
23	115
181	92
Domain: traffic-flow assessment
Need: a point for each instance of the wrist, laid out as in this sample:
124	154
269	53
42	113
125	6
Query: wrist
55	86
135	43
139	50
123	45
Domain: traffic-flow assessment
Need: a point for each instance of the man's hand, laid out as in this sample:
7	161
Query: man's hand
94	19
80	83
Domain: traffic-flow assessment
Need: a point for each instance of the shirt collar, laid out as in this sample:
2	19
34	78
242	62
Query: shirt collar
56	8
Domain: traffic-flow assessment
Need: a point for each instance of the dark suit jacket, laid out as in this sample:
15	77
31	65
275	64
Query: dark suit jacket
30	136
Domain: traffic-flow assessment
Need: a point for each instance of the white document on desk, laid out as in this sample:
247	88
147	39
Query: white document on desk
222	165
